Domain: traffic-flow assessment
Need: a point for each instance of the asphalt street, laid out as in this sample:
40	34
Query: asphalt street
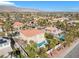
74	53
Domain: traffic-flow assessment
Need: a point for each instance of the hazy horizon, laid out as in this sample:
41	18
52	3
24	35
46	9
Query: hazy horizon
46	5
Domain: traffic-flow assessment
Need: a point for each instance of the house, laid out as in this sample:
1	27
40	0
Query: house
17	25
73	22
3	18
58	33
55	32
34	35
1	26
5	46
60	19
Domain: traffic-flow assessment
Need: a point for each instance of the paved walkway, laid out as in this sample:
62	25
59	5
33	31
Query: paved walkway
5	51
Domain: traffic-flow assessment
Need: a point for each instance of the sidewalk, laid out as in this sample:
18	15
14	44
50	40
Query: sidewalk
64	51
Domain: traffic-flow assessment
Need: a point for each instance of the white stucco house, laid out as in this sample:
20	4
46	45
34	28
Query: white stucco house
5	46
58	33
60	19
53	30
34	35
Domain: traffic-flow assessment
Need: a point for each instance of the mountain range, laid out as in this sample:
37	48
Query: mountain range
7	8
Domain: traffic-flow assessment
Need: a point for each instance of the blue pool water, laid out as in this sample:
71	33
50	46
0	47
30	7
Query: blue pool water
61	37
41	43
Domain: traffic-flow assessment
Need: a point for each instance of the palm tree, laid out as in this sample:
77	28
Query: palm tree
42	53
77	34
52	42
48	36
43	22
69	38
31	49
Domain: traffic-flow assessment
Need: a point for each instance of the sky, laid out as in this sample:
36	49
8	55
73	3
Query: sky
47	5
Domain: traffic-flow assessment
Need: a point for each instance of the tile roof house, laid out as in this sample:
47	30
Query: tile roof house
34	35
17	25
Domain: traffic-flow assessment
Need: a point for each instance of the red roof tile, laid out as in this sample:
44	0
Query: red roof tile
31	32
17	24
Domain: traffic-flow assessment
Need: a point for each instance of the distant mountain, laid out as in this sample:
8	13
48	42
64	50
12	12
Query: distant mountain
6	8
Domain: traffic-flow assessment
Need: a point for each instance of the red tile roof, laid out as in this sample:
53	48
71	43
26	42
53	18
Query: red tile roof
17	24
31	32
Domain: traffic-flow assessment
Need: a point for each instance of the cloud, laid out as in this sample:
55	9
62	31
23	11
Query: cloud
7	3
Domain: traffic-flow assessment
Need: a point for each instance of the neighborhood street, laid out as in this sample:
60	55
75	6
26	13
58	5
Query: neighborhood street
74	53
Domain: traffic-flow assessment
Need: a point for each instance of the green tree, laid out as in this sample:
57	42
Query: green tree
69	37
31	49
35	52
42	53
8	24
48	36
62	25
43	22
